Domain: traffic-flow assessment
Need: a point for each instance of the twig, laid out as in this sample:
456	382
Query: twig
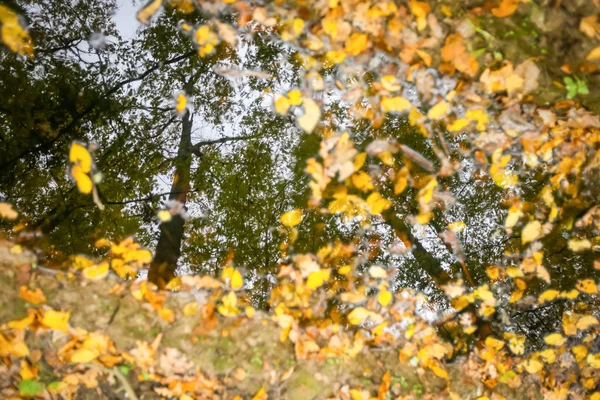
117	374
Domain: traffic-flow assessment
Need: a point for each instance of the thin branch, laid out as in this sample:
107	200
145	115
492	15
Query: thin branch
147	198
224	139
76	120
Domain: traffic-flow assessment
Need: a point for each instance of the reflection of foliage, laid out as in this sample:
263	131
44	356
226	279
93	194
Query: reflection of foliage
396	158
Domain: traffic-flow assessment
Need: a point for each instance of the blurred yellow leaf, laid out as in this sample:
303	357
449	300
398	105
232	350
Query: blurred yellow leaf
533	366
291	218
377	204
505	8
578	245
295	97
555	339
164	215
261	395
385	297
282	104
531	232
438	111
80	156
56	320
587	286
312	114
395	104
233	277
96	272
358	315
377	272
190	308
32	296
390	83
83	356
457	226
317	278
594	54
228	307
14	36
356	44
6	211
181	103
149	9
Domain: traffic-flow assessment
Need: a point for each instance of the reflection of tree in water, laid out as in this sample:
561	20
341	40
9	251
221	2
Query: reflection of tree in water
119	96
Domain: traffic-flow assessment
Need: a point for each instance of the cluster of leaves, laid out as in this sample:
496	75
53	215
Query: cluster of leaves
338	301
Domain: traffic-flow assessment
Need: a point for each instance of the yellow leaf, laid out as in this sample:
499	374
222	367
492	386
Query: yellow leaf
390	83
458	125
358	315
533	366
166	314
586	321
228	307
282	104
457	226
27	371
505	8
14	36
579	352
438	111
80	156
180	103
356	44
587	286
312	114
387	158
555	339
420	9
377	272
317	278
146	12
362	181
359	160
6	211
164	215
250	311
261	395
190	308
32	296
295	97
401	181
548	295
385	297
83	356
395	104
593	360
594	54
83	180
438	370
531	232
96	272
291	218
377	204
578	245
56	320
233	277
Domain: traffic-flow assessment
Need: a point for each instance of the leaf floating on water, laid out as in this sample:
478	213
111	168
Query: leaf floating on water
505	8
531	232
79	155
6	211
312	114
291	218
148	11
14	36
181	103
594	54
